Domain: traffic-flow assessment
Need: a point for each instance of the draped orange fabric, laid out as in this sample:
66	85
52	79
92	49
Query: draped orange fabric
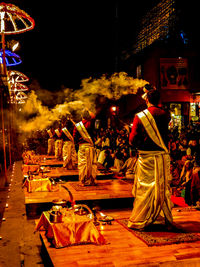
74	230
38	185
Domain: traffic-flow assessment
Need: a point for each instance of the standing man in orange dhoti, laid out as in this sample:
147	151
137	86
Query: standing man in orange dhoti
151	185
87	161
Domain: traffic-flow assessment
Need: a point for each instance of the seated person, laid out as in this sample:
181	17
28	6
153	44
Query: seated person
195	182
118	162
186	179
129	166
109	160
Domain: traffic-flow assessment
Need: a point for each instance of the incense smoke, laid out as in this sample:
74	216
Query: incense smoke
37	116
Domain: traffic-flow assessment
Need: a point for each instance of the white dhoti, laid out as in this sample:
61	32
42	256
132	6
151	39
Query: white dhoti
69	155
151	185
87	164
58	148
151	189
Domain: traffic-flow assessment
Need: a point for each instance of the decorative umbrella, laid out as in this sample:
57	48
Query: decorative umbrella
21	96
16	87
15	79
15	76
11	58
13	20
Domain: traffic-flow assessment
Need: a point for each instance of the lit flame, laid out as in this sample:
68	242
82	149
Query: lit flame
102	214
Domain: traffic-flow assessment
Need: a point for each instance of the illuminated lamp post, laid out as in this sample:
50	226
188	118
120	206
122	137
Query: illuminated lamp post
114	110
13	20
15	80
11	59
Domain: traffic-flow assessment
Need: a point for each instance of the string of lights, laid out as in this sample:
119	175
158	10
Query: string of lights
156	24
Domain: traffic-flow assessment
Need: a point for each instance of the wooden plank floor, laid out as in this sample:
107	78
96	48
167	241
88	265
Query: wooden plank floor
125	249
59	172
113	189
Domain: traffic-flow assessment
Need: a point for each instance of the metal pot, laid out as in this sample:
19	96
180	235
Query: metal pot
59	202
55	216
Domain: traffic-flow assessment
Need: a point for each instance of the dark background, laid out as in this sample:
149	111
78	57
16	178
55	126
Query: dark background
73	40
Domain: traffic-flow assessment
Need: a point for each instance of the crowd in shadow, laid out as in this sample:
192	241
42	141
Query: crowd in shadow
115	154
185	163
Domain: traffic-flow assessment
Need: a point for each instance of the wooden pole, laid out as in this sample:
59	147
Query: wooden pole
2	110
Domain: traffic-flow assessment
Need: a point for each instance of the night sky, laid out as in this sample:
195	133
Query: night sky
73	40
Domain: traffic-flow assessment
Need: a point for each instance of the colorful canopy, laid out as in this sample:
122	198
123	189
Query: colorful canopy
19	87
11	58
17	76
14	20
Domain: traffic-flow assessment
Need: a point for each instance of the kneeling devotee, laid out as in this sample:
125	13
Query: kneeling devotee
87	161
151	185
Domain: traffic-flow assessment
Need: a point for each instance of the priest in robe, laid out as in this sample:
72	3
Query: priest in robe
151	189
87	159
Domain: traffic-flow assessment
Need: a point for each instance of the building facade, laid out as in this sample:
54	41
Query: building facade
166	54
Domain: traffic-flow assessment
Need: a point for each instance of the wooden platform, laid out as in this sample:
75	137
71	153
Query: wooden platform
51	162
125	249
60	172
112	189
105	190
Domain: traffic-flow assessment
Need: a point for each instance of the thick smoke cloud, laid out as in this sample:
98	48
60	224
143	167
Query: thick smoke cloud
43	108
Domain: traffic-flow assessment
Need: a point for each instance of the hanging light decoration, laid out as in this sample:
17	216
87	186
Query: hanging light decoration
156	24
16	87
13	20
21	96
16	76
11	58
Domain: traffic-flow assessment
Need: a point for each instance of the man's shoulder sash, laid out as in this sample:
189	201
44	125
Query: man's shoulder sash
83	132
50	133
59	133
151	128
67	133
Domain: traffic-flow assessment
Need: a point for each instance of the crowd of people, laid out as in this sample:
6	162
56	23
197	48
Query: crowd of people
114	153
160	160
185	162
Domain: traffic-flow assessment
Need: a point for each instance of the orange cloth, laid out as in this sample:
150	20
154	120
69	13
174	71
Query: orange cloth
27	168
38	185
74	230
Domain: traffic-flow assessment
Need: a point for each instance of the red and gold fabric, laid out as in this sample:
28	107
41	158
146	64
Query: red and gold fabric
151	185
73	230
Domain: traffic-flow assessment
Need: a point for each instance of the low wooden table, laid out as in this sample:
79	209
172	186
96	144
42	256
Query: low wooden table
73	230
124	249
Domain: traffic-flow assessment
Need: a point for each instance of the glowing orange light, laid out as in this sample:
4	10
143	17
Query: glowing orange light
113	108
